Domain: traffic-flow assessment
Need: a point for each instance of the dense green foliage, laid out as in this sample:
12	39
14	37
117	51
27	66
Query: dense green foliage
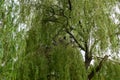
45	40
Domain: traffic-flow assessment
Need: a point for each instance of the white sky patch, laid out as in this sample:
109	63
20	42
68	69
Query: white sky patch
116	8
16	2
114	18
15	59
22	26
119	54
115	11
3	64
83	54
92	62
1	24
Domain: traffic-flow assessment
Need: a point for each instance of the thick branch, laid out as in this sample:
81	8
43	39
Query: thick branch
88	56
87	60
79	45
91	75
70	5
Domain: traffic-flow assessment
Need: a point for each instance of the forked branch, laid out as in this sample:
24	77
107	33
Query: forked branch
91	75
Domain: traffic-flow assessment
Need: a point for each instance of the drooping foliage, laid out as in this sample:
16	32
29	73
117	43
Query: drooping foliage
10	38
45	40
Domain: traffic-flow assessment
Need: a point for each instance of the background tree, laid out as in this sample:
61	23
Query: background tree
58	40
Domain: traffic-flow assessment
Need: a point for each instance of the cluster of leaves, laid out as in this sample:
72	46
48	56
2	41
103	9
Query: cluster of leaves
55	32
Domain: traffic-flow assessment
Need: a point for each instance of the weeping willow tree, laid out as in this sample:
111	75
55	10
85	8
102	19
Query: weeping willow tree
58	40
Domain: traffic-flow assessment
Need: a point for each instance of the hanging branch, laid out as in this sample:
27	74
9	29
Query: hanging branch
91	75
